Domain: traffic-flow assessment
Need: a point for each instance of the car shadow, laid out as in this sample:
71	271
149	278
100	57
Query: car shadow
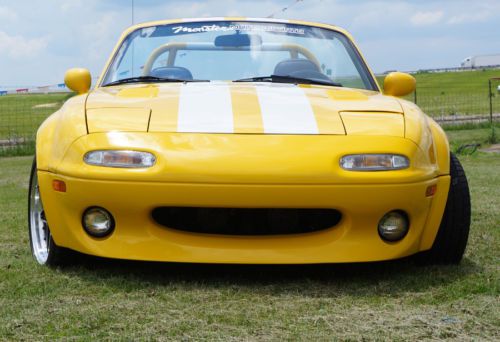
384	278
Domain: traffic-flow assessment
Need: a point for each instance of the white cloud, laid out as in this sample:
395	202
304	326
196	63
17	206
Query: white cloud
19	46
213	8
425	18
7	14
469	18
67	6
100	36
190	10
372	14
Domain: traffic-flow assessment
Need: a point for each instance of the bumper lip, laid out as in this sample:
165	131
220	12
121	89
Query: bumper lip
137	237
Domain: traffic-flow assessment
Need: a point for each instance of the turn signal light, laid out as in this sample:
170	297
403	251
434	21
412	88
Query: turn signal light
431	190
123	159
58	185
374	162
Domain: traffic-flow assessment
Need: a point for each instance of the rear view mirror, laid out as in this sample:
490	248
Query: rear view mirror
399	84
78	80
238	40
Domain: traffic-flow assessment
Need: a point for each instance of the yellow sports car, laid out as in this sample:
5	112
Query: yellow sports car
238	140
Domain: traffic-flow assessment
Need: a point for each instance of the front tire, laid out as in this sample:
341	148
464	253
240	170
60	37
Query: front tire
451	239
43	248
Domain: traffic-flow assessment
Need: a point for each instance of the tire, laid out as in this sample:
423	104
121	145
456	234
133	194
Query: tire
43	248
451	239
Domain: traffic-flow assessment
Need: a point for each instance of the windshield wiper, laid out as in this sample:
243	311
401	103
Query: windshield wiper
139	79
289	79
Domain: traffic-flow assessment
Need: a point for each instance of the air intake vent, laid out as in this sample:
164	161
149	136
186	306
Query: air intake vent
246	221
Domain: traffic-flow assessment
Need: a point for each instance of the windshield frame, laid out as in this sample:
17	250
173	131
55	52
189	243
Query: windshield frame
356	54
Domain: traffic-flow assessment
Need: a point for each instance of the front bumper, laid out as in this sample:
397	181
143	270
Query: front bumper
243	171
137	236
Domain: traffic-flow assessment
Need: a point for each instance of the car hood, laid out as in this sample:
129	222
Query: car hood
242	108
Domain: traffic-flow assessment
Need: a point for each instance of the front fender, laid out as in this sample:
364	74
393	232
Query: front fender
59	131
427	134
442	147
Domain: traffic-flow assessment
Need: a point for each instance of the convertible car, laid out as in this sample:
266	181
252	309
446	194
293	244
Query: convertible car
238	140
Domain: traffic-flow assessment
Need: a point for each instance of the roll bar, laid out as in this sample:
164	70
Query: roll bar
174	47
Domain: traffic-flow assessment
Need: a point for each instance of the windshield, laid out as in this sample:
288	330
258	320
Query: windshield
244	51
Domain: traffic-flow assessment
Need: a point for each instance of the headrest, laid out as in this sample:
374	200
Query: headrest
289	66
172	72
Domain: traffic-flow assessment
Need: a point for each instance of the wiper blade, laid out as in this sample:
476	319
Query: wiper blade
289	79
139	79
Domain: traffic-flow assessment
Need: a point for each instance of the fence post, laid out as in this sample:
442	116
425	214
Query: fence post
491	101
415	96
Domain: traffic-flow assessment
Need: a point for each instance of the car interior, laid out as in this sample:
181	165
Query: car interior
296	67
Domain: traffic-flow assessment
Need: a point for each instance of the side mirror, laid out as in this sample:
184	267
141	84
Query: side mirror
78	80
399	84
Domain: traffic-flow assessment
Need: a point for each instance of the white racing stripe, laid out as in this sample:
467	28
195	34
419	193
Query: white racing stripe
286	110
205	108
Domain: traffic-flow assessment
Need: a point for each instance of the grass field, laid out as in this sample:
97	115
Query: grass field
104	299
463	136
455	93
20	115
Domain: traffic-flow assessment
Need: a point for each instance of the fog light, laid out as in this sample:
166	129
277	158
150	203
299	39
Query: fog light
98	222
393	226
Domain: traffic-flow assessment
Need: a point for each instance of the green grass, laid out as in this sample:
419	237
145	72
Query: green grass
27	148
104	299
450	93
460	137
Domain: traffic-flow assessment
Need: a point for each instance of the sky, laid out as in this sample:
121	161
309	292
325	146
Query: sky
41	39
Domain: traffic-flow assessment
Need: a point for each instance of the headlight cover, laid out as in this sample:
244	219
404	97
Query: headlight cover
120	158
374	162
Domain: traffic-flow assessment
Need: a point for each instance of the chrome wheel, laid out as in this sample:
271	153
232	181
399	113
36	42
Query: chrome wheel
39	229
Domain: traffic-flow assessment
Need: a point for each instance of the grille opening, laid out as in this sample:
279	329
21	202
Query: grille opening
246	221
